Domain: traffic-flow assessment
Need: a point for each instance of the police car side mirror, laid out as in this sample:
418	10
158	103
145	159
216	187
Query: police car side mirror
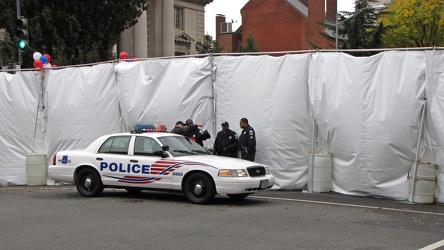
160	153
166	148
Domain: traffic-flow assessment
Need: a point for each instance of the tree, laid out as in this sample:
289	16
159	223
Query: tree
416	23
71	32
359	29
250	45
208	45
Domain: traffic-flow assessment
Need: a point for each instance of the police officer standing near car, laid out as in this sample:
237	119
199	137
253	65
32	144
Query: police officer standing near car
226	142
247	140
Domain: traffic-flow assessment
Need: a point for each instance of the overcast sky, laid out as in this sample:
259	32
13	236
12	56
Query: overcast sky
231	10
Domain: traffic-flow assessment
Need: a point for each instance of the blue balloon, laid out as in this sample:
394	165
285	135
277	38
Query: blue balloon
44	59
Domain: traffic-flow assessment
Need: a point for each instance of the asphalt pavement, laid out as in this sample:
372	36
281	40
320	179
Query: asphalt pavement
57	217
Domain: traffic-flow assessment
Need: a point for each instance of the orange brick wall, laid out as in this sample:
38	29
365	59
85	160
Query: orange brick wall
229	41
277	26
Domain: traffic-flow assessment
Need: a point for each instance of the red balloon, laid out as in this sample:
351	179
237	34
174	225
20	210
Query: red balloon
123	55
47	57
38	64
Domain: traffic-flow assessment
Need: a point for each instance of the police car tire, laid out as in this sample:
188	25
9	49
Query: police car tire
199	188
88	183
238	196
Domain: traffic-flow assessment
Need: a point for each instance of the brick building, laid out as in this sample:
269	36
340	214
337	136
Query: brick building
280	25
228	39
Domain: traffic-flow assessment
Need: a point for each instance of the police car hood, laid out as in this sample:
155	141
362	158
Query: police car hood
220	162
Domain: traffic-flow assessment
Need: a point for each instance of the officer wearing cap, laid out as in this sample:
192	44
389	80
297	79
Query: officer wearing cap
247	140
226	142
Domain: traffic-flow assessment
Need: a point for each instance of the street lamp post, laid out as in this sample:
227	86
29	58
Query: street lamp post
377	7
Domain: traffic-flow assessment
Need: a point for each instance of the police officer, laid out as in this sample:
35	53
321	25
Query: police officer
247	140
178	128
226	142
197	135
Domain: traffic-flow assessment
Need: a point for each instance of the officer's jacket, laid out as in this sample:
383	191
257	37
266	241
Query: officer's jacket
227	140
247	140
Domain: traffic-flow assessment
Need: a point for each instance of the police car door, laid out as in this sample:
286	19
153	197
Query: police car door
142	159
112	160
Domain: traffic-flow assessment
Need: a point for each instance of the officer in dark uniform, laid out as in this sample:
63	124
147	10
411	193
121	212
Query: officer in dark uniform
181	129
226	142
198	135
247	140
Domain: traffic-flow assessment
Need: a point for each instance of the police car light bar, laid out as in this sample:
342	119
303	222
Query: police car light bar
141	128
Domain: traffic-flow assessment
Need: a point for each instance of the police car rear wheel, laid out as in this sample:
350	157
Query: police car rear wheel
88	183
238	196
199	188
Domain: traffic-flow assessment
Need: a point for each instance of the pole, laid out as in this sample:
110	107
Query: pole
311	165
214	97
336	30
19	14
415	165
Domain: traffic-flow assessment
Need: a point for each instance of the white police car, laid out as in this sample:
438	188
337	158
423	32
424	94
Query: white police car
159	161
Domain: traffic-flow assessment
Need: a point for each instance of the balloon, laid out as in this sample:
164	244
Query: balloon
123	55
36	55
54	67
47	66
44	59
47	57
38	64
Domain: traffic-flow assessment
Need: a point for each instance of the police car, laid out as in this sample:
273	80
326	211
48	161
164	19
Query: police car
150	158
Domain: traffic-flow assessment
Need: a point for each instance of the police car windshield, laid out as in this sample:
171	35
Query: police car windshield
180	146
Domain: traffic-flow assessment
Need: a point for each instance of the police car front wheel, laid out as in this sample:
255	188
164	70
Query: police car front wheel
88	183
199	188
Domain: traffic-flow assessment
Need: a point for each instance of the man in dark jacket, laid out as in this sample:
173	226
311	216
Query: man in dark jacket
198	135
181	129
247	140
226	142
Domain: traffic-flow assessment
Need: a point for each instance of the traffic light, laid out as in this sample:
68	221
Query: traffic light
22	33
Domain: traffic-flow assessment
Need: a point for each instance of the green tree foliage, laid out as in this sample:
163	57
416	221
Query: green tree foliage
208	45
359	29
250	45
416	23
71	32
8	16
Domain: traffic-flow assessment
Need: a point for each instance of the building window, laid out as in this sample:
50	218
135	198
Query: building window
178	17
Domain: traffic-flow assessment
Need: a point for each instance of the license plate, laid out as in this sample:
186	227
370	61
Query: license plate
264	184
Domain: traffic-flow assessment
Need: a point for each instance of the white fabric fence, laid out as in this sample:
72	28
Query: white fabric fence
367	111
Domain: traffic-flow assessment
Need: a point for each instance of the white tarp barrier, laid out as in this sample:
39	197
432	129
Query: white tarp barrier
18	114
435	115
367	111
80	105
163	91
271	92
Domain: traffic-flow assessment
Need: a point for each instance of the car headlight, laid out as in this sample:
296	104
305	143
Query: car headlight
233	173
266	171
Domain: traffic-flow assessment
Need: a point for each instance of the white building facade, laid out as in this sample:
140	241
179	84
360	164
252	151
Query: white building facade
167	28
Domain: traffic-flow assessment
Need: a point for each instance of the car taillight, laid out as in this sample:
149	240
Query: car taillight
54	159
